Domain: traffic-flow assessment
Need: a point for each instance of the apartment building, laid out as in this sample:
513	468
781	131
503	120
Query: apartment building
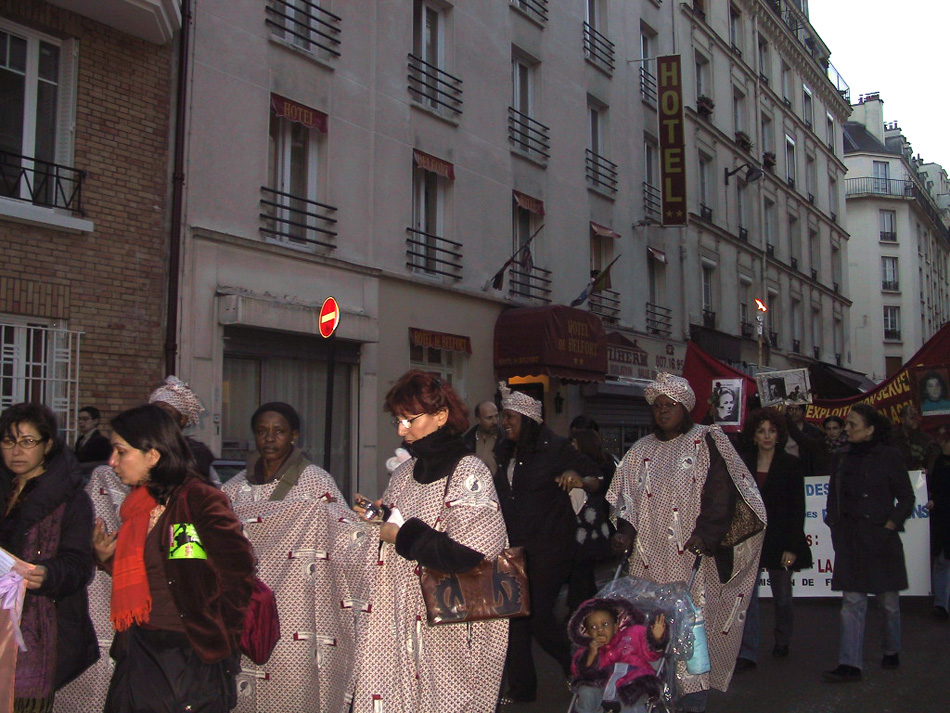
84	185
898	214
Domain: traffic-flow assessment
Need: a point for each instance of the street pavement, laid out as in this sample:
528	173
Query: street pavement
794	685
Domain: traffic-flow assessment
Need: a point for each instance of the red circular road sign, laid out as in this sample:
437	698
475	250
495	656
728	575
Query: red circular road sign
329	317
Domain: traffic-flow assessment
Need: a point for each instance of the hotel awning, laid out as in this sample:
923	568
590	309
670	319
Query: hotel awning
556	341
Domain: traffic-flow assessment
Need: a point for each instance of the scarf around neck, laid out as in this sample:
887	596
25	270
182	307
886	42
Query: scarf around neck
131	598
436	455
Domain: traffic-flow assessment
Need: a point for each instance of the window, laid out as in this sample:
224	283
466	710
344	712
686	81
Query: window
601	173
522	84
794	241
39	362
430	85
596	118
426	219
772	317
735	30
292	212
888	220
768	137
836	267
745	302
526	135
787	84
428	31
811	177
708	275
881	171
892	323
797	324
38	85
741	205
808	110
830	132
650	162
790	160
705	186
648	86
447	364
816	336
889	275
765	63
703	87
738	109
597	48
814	253
306	25
769	225
833	196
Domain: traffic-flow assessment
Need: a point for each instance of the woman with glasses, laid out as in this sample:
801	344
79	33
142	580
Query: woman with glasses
681	492
439	510
47	521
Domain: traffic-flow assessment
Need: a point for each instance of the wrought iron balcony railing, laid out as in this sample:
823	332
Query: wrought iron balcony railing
306	25
42	183
890	285
652	202
598	49
648	87
888	236
535	9
433	254
532	283
868	185
709	319
434	88
893	335
601	173
606	303
297	222
528	136
659	319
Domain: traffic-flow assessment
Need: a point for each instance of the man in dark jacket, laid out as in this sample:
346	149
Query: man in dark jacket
532	462
91	445
482	438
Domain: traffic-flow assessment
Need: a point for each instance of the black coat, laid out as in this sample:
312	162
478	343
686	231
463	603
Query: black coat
538	513
938	487
70	568
869	486
95	448
783	493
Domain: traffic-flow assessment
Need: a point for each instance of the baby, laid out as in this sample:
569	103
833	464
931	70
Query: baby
609	632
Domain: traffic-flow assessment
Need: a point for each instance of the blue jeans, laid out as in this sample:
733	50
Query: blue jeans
854	608
781	584
589	699
941	581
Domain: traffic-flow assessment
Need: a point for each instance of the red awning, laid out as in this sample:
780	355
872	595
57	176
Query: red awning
532	205
428	162
557	341
311	118
657	255
603	231
440	340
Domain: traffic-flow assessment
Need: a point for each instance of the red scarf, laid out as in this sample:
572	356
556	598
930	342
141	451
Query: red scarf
131	598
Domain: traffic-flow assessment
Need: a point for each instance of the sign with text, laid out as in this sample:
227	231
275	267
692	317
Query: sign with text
672	139
816	581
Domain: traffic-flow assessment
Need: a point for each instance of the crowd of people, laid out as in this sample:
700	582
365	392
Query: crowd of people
131	541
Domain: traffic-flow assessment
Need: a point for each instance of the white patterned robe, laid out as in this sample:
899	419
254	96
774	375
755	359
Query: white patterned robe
658	488
403	664
310	548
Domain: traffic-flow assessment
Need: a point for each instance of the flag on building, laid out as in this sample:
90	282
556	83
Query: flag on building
598	284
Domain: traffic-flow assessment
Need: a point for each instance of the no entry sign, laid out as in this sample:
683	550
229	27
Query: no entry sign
329	317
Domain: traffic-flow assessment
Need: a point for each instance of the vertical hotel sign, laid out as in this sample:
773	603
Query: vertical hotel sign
672	140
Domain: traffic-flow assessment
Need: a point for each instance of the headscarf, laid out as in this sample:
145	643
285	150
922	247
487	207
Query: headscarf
676	387
177	394
520	402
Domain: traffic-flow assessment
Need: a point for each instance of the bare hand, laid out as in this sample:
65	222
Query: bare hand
103	541
658	627
388	532
890	525
568	480
359	507
36	576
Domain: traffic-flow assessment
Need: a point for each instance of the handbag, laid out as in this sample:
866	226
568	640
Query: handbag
495	589
261	624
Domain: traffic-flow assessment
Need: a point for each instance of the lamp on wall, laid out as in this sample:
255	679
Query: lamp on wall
753	174
558	403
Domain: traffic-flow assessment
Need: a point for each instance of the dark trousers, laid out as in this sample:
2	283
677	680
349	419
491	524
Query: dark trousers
545	579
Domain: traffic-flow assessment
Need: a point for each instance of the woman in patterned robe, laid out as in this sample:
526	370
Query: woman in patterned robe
441	510
684	491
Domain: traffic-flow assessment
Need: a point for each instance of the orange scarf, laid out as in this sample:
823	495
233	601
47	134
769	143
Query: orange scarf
131	598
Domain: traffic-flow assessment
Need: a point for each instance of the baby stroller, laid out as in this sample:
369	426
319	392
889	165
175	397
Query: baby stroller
686	638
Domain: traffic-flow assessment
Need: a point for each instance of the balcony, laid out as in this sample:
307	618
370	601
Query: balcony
773	339
42	183
537	10
770	250
747	329
899	189
705	212
709	319
791	181
305	25
154	21
743	234
743	141
598	49
606	304
652	202
817	352
797	346
794	263
532	284
888	236
811	198
890	286
434	88
297	222
659	320
892	335
814	273
648	86
835	287
705	106
433	255
528	137
601	173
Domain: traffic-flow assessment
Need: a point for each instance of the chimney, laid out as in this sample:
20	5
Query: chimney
869	111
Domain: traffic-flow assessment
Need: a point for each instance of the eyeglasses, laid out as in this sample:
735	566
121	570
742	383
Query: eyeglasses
27	443
657	406
405	422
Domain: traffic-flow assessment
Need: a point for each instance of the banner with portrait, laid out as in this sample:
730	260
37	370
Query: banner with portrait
933	395
727	399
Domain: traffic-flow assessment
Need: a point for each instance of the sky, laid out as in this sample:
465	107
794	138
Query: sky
899	50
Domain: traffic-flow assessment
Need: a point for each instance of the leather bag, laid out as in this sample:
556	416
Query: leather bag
261	624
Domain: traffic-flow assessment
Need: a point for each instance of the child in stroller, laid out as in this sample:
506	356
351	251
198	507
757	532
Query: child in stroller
611	669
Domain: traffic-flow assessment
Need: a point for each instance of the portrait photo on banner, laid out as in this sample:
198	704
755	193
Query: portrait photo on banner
932	391
791	386
727	402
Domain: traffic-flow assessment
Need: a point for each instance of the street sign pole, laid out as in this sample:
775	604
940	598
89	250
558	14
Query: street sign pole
328	321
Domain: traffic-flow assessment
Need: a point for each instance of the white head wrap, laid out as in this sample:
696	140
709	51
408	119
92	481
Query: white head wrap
520	402
676	387
178	394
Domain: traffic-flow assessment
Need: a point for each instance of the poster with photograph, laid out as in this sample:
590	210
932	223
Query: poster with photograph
932	392
727	402
791	386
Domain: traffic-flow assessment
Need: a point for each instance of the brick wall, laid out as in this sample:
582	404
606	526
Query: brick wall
109	284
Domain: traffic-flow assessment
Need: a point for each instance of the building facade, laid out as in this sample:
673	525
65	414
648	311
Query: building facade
897	210
84	193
